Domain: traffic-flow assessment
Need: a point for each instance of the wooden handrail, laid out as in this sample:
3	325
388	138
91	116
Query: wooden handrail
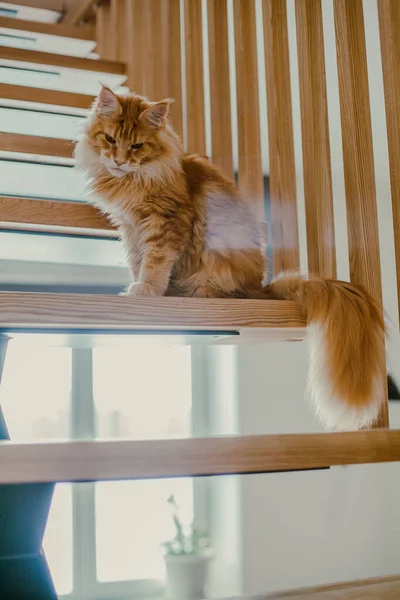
107	460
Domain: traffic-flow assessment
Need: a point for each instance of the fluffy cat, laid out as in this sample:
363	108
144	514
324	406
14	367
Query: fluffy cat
188	232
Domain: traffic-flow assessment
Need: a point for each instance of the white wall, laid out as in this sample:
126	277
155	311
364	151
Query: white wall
309	528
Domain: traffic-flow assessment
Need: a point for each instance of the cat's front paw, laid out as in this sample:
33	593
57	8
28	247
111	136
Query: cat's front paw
141	290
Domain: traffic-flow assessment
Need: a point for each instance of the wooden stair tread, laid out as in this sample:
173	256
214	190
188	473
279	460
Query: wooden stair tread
98	460
272	318
62	61
378	588
23	93
53	216
57	29
35	144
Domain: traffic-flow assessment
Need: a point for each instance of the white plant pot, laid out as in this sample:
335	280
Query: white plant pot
187	576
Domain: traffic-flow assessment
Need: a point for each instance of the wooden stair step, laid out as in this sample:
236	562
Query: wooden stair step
377	588
58	29
22	93
272	319
35	144
194	457
62	61
53	216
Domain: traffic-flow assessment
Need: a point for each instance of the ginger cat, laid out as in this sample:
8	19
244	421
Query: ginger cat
188	232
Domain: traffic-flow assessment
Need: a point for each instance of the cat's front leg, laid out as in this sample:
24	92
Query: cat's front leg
155	272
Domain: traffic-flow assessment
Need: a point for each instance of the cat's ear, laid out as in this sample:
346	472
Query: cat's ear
107	103
155	115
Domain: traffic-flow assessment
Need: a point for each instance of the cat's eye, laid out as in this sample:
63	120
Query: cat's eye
136	146
110	139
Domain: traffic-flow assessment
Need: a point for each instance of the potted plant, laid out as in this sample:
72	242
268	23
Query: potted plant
187	557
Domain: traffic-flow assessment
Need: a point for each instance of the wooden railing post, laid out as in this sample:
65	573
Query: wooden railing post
315	138
280	132
358	158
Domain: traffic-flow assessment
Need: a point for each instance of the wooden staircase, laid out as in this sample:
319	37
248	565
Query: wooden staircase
250	321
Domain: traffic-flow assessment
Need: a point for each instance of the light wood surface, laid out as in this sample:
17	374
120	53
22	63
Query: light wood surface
358	158
250	169
105	460
135	46
220	96
24	93
118	312
315	138
105	34
378	588
280	134
172	9
79	33
52	215
34	144
117	26
195	119
78	10
156	56
59	60
389	25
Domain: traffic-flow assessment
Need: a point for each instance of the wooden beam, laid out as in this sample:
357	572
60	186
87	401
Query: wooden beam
105	33
33	144
108	460
250	177
220	93
62	61
77	11
174	66
283	192
23	93
79	33
53	216
195	117
155	67
134	48
358	157
389	26
270	317
377	588
315	138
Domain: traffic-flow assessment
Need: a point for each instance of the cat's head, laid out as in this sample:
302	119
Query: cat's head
129	134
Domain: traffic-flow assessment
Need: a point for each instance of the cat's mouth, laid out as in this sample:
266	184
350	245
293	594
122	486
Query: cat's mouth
117	171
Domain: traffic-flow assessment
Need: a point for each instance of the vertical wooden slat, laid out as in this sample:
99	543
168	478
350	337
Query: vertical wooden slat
315	139
104	32
280	132
220	96
389	26
250	176
155	56
117	23
195	119
358	159
135	46
174	67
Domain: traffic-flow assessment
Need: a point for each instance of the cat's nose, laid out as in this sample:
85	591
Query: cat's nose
119	162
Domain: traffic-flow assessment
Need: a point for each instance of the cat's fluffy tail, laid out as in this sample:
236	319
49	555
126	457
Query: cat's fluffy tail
347	348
